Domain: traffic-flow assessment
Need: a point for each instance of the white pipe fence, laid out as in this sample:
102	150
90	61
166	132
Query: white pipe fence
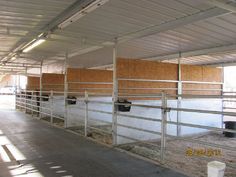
88	103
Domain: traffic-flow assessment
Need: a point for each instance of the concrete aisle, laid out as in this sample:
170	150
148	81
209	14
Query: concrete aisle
32	148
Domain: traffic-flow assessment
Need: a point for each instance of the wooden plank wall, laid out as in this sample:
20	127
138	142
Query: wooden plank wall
133	69
54	82
140	69
89	75
203	74
33	83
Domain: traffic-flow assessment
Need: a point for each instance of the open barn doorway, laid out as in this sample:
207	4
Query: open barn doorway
229	104
9	84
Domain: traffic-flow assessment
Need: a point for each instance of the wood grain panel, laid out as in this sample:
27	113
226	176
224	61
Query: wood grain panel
33	83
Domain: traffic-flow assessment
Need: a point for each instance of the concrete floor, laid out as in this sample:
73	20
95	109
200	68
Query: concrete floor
35	149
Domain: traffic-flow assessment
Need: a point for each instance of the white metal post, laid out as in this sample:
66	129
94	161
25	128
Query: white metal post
16	78
65	92
19	92
180	87
32	103
222	99
20	103
114	96
51	106
16	99
163	124
40	90
86	114
25	95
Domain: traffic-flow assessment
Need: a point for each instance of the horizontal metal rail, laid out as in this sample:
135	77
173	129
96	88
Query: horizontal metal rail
164	88
146	80
33	105
139	129
226	92
99	111
87	88
52	84
99	120
138	88
139	117
200	96
203	111
200	90
233	101
139	105
202	127
229	108
35	101
92	83
133	96
169	81
34	110
137	140
100	130
99	102
153	94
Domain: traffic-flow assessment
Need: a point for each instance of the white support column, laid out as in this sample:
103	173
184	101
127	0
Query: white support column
16	99
65	92
16	91
86	114
180	88
114	96
25	101
40	90
222	93
51	107
32	103
20	103
163	125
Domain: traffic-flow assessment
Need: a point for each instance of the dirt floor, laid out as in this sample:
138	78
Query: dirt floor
56	121
191	158
96	134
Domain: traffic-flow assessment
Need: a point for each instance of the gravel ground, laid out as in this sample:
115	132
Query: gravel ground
193	165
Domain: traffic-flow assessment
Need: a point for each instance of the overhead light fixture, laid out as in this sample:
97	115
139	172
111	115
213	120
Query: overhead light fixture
84	11
34	43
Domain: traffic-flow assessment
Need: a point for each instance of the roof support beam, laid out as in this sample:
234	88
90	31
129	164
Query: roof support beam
222	64
222	5
18	66
213	12
214	50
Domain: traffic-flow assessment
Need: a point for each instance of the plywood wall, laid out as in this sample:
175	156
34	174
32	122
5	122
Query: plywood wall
135	69
203	74
33	83
89	75
54	82
140	69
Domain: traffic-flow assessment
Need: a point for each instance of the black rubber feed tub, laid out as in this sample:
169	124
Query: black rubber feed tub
230	125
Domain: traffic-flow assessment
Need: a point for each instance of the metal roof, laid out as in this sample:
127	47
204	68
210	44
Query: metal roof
145	29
